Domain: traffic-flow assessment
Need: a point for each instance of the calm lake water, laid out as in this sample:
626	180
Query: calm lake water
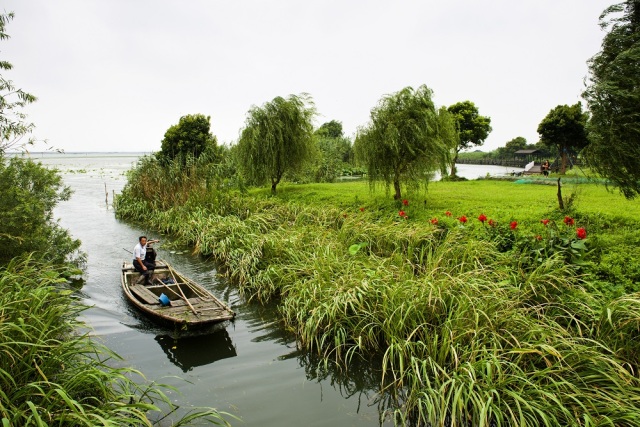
249	367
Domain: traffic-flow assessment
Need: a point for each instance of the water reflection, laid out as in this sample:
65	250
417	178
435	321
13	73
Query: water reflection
361	379
189	351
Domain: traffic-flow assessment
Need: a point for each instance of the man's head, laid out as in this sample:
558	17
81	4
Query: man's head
142	240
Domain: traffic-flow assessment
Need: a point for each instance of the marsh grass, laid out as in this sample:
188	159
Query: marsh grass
474	328
51	375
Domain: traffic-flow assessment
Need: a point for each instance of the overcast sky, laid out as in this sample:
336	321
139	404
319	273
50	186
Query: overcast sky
114	75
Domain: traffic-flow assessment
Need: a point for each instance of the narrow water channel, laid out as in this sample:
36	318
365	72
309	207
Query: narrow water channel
249	367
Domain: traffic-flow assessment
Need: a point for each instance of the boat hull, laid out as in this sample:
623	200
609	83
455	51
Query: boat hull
189	304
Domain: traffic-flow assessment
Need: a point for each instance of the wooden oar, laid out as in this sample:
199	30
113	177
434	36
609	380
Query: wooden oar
182	293
195	289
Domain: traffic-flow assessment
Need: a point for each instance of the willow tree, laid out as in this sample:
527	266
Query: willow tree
407	139
613	99
277	138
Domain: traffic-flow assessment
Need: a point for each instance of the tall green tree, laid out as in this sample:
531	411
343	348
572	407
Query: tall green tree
517	143
277	138
335	152
473	129
13	125
406	140
613	99
565	129
189	138
332	129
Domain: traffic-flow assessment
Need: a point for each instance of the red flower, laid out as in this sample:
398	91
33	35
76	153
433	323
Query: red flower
492	223
434	221
581	233
447	213
538	237
462	219
568	220
482	218
544	221
513	225
402	214
361	209
405	202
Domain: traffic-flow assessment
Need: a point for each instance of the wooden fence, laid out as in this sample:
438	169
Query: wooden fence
515	163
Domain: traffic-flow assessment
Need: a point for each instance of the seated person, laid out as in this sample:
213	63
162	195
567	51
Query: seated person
139	259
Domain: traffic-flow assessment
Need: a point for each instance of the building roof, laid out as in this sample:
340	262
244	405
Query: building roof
527	151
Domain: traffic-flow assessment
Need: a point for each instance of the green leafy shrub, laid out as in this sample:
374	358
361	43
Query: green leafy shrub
28	195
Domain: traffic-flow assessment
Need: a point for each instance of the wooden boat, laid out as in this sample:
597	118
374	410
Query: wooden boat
172	297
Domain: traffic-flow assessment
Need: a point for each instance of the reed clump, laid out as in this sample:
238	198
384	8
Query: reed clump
477	325
50	374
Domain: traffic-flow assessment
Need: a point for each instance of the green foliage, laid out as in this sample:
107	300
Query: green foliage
13	127
517	143
334	154
614	101
472	128
51	375
474	155
478	324
277	139
160	184
332	129
565	129
330	162
619	268
227	168
563	241
189	138
28	195
407	139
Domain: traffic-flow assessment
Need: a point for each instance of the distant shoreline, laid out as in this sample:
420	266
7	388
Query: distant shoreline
80	153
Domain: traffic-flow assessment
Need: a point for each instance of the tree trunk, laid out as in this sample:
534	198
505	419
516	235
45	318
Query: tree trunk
453	166
560	202
274	183
396	187
563	162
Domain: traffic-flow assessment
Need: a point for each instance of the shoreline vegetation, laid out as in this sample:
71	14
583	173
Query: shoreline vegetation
488	304
52	372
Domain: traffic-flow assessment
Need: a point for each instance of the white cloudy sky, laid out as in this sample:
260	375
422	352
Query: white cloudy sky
113	75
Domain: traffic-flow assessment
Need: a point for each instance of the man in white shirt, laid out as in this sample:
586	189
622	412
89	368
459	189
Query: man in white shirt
139	252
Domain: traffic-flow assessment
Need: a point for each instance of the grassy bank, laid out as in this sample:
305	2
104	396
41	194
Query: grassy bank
508	320
51	375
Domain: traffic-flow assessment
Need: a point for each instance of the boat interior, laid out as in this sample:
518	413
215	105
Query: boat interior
162	283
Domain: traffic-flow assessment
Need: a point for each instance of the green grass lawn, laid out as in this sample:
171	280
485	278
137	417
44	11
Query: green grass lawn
502	200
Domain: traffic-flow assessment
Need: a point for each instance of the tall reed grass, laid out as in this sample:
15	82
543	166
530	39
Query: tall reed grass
472	332
51	375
